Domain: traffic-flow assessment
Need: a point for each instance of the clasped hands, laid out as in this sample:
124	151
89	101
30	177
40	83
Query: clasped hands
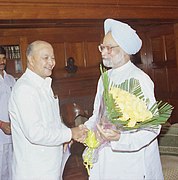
80	133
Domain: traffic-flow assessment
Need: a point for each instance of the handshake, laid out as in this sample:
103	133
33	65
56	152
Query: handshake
79	133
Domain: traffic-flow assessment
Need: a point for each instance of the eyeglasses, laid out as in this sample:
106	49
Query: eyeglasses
102	47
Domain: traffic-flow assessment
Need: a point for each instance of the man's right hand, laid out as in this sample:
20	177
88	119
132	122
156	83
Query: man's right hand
79	133
6	128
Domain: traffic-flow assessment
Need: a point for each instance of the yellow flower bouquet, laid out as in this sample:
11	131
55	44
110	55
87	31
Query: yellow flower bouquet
126	110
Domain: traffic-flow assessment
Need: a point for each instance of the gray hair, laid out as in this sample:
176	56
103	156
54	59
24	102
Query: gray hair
29	50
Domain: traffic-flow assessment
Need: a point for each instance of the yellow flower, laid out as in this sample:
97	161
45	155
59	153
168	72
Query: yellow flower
92	143
91	140
133	108
131	123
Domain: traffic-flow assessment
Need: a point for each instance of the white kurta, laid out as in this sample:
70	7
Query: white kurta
136	155
37	131
6	84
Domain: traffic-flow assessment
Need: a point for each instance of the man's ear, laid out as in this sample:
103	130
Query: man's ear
31	61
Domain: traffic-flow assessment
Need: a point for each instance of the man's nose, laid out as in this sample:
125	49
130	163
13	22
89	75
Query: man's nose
103	52
2	60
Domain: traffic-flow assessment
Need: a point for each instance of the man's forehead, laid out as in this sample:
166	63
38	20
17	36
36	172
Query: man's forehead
42	47
109	40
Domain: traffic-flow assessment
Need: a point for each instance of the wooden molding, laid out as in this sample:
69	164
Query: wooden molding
91	10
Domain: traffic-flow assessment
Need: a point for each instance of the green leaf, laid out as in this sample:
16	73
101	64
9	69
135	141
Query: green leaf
161	111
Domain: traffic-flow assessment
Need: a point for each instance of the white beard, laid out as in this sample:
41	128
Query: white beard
115	61
107	63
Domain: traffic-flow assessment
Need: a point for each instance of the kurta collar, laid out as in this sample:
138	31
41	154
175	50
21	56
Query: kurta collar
39	81
5	74
124	67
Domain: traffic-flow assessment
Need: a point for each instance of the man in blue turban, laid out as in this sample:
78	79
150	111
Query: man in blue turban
128	155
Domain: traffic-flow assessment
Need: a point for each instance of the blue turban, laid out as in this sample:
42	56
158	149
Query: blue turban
124	35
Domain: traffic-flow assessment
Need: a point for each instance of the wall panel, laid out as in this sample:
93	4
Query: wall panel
93	56
163	66
76	50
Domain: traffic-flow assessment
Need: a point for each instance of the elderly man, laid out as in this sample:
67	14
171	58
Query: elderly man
6	84
37	131
133	155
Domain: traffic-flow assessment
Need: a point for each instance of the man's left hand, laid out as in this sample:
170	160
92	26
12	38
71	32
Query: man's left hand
108	134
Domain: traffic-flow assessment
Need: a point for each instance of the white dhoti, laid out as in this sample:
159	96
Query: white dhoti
5	161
